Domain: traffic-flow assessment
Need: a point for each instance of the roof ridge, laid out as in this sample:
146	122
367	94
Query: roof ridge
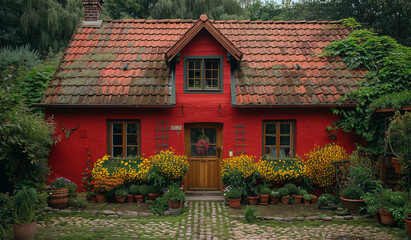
222	21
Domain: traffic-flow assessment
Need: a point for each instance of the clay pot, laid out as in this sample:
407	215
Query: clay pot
284	200
93	198
24	231
297	198
59	198
252	200
153	196
264	199
121	198
352	205
234	202
408	223
386	217
397	165
139	198
275	200
377	218
101	198
314	200
307	202
174	204
130	198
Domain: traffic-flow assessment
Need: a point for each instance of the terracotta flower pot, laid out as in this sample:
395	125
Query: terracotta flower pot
234	202
93	198
24	231
130	198
386	217
397	165
377	218
252	200
121	198
314	200
174	204
307	202
139	198
408	223
101	198
352	205
264	199
285	199
59	198
153	196
275	200
297	198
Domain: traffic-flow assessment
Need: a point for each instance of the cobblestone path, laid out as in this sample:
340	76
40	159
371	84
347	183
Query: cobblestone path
204	220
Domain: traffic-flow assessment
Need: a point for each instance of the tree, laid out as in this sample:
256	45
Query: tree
48	25
118	9
263	11
10	30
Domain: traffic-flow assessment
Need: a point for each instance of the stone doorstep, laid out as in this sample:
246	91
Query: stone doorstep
205	198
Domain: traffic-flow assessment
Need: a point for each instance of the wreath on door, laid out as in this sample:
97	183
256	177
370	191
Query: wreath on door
203	144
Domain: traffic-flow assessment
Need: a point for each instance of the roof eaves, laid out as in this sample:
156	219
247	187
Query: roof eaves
295	105
53	105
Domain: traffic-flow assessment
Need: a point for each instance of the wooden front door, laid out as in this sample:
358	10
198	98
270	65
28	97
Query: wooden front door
204	173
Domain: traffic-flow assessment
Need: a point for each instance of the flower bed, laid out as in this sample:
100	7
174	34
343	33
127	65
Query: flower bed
276	171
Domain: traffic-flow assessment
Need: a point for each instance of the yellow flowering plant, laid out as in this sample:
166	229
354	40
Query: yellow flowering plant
240	172
276	171
319	167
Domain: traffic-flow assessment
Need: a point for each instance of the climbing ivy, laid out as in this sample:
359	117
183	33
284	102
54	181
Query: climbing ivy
389	76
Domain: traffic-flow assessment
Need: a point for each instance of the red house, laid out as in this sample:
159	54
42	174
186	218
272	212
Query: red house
129	87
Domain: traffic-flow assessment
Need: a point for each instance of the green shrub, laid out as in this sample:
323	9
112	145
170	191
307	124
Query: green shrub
134	189
153	189
6	212
174	193
24	203
121	192
265	191
250	214
275	193
352	191
292	189
77	202
308	196
283	192
143	189
72	187
234	193
159	205
326	199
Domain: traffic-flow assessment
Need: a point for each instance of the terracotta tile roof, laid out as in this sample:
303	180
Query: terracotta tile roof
123	62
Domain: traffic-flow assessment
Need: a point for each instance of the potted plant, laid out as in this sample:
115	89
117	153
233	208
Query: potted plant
398	138
143	190
307	198
24	203
298	196
130	196
327	201
284	194
392	206
352	198
120	195
252	196
59	193
175	197
153	192
407	219
275	196
234	197
135	191
264	196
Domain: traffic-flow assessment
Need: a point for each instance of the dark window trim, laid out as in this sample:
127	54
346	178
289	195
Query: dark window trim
218	57
293	123
109	136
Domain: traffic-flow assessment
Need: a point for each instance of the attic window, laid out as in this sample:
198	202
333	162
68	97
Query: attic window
203	74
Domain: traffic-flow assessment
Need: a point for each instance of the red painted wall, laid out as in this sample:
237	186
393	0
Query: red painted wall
68	157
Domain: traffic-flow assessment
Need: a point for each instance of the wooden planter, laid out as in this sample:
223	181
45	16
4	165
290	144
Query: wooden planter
153	196
24	231
130	198
284	200
121	198
59	198
101	198
408	224
139	198
252	200
264	199
297	198
386	217
234	202
275	200
397	165
174	204
352	205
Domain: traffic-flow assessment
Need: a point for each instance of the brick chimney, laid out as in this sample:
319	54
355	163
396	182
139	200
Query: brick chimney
92	10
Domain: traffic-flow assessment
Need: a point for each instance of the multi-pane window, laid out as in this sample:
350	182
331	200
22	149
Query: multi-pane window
203	74
278	138
124	138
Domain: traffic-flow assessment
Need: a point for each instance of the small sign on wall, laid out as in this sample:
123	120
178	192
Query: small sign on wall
176	127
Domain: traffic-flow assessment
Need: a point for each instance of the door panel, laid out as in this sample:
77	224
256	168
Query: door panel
204	171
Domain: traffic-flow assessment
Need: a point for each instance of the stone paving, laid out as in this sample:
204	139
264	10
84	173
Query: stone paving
205	220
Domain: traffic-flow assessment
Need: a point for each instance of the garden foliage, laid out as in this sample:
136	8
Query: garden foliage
277	171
